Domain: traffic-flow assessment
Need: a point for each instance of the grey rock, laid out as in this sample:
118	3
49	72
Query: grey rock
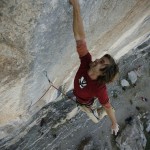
132	137
148	126
36	36
124	83
132	77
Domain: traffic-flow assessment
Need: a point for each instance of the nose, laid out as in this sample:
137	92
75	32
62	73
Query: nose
97	60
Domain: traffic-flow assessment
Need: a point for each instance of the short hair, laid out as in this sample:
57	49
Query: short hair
109	72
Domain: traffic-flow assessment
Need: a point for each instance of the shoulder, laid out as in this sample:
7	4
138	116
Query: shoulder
86	60
101	86
85	57
101	91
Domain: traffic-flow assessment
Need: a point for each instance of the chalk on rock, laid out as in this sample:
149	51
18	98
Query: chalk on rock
132	77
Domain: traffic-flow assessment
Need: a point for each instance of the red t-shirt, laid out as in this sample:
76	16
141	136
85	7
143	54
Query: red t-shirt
86	89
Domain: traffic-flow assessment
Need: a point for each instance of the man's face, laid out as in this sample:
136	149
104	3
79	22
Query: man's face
99	64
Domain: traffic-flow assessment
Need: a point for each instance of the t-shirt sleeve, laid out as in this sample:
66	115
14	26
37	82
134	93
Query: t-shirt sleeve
81	48
102	95
84	55
85	61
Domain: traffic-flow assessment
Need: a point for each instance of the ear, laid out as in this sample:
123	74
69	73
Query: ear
115	78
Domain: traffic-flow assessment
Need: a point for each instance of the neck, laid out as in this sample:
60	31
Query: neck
92	75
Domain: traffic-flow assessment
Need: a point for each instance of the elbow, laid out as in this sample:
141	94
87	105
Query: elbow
79	36
107	106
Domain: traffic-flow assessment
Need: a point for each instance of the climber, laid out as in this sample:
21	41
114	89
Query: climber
92	76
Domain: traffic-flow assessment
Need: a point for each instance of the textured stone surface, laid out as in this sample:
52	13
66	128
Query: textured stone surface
124	83
132	77
52	129
36	36
132	137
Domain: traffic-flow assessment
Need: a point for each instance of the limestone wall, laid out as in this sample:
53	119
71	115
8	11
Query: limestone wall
36	36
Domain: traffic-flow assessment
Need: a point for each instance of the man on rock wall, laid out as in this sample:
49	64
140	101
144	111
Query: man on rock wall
92	76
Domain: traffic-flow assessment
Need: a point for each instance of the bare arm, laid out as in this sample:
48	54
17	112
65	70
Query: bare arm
111	113
78	28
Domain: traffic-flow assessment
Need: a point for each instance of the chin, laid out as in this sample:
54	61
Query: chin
90	65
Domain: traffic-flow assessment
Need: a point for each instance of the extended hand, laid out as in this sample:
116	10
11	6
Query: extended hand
114	128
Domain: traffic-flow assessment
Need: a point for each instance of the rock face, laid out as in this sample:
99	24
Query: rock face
124	83
60	125
148	126
132	77
132	137
36	36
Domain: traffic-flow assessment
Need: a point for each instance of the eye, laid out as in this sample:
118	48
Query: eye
102	61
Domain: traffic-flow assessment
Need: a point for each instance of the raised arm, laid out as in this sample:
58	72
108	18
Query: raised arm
78	29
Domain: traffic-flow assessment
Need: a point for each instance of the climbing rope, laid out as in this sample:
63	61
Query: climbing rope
52	85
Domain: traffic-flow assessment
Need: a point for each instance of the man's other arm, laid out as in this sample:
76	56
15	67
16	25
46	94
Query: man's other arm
111	113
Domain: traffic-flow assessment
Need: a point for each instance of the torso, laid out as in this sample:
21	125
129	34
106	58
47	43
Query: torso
84	87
